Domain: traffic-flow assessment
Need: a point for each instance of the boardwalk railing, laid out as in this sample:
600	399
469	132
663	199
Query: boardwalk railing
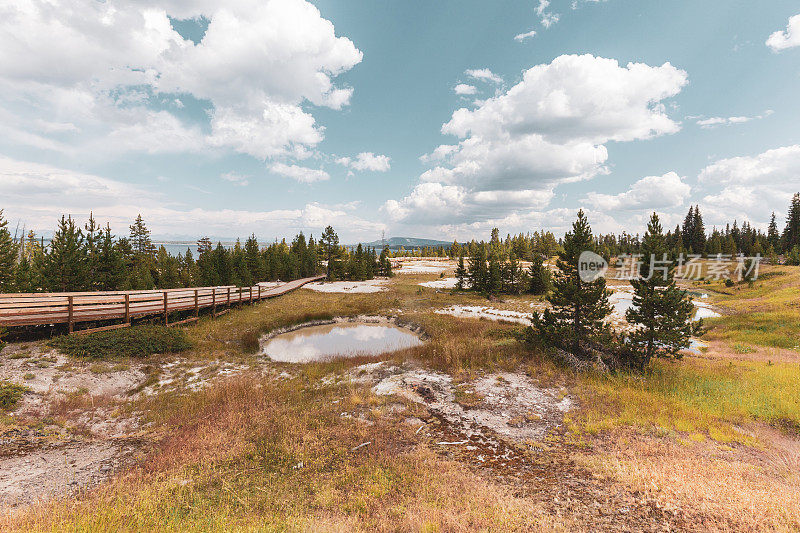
36	309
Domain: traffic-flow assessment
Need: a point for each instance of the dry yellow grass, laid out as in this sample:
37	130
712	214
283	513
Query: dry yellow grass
277	455
254	453
738	490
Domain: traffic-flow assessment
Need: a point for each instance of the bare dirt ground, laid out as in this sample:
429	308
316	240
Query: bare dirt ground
508	428
71	430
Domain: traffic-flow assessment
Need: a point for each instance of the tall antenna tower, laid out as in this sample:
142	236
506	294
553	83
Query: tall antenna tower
383	239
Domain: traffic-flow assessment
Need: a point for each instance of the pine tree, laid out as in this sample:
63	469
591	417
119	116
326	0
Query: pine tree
189	271
538	276
511	274
494	284
330	247
110	271
92	239
662	312
687	231
477	272
791	234
26	276
773	236
578	307
461	274
140	239
8	254
252	253
168	270
698	236
204	245
221	270
65	264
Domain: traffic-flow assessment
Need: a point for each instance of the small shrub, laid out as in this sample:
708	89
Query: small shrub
139	341
729	282
10	394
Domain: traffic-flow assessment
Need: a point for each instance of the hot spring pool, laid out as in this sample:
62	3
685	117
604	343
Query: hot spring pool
342	339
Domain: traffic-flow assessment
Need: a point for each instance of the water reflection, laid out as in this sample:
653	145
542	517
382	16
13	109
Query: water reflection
319	343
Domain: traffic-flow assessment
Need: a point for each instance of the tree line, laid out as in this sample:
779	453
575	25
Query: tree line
92	258
691	237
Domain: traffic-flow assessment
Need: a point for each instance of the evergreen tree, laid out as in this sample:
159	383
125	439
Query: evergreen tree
140	239
461	274
687	231
204	245
189	271
110	270
330	247
253	259
8	254
65	264
698	235
511	274
478	274
791	234
662	312
26	276
578	307
494	284
219	266
92	238
168	270
538	276
773	236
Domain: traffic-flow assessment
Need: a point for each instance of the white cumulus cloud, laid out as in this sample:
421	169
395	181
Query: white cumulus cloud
548	129
484	74
781	40
366	161
751	187
464	89
520	37
649	193
299	173
105	67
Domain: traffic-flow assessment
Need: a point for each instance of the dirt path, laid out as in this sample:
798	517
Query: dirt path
32	471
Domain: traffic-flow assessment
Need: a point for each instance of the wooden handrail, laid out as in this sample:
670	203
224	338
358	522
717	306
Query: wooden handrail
25	309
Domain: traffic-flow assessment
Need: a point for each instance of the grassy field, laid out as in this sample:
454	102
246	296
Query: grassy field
708	442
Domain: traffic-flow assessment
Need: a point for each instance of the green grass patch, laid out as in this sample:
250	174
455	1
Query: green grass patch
696	396
138	341
779	329
10	394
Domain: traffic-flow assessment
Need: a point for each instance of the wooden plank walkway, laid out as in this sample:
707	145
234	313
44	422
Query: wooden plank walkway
38	309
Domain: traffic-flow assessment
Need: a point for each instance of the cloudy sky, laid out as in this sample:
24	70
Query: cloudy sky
436	119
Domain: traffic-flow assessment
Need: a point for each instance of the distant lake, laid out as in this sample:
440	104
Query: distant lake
179	247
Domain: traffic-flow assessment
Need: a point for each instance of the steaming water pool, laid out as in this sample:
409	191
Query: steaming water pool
346	339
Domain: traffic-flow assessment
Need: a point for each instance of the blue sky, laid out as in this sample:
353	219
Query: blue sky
274	117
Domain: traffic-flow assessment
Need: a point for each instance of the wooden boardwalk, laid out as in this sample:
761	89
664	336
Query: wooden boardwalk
39	309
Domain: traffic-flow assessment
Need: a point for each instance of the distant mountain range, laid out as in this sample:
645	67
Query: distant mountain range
409	243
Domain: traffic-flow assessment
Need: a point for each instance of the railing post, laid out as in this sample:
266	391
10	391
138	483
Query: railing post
259	293
166	310
251	295
214	302
127	308
229	297
196	303
71	312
